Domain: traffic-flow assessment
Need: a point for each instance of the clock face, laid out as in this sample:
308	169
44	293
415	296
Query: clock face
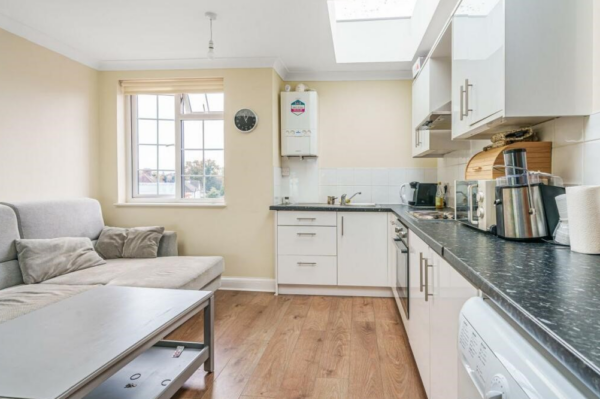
245	120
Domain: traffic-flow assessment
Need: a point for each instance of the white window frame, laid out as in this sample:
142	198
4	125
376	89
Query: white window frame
180	103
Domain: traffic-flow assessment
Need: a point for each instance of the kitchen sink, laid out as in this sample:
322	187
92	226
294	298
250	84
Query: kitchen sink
337	205
361	204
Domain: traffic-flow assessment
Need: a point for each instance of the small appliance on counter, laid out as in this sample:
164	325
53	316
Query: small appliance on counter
423	194
525	201
475	203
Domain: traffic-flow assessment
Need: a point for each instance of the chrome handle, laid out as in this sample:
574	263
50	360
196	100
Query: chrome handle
427	294
421	271
467	109
299	219
307	263
418	137
342	226
462	102
306	234
470	204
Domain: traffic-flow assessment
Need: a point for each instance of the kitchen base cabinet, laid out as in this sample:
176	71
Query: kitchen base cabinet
449	292
437	293
362	249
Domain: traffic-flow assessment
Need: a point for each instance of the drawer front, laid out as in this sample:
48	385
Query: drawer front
300	240
285	218
310	270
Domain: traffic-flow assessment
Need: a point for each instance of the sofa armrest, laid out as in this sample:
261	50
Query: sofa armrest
168	244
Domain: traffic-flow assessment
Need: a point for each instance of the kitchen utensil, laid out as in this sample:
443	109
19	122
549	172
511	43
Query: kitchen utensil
583	205
331	200
561	232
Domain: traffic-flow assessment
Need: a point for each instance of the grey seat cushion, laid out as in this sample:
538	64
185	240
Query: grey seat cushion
22	299
181	272
10	273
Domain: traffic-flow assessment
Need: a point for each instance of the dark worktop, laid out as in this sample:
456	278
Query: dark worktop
553	293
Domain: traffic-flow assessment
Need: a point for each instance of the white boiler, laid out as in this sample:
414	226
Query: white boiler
299	120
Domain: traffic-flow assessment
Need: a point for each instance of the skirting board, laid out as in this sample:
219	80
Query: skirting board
332	290
268	285
248	284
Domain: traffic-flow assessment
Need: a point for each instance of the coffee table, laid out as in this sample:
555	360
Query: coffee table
105	343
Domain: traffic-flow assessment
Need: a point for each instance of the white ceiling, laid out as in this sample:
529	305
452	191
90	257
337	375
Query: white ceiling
294	36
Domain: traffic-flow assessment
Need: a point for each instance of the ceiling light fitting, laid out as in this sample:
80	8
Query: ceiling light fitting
211	45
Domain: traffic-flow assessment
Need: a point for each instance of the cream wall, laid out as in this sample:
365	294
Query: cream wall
365	124
242	231
48	123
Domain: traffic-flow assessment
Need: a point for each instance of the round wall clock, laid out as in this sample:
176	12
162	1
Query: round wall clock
245	120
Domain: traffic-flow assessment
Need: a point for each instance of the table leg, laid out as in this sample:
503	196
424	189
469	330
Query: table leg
209	334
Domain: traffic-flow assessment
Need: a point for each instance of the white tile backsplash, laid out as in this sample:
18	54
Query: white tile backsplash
380	194
345	177
591	160
380	177
397	177
362	177
328	177
568	130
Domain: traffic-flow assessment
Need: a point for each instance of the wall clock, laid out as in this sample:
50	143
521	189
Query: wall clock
245	120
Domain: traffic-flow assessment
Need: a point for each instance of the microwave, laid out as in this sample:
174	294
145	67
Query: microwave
474	203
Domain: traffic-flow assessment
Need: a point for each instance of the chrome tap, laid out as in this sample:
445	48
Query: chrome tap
343	198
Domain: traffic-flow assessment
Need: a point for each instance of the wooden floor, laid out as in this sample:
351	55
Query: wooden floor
292	347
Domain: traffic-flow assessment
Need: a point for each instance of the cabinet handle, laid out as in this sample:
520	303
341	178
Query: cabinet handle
299	219
342	226
307	263
421	271
306	234
467	85
462	102
427	294
418	137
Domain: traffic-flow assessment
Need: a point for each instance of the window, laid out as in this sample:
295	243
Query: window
178	147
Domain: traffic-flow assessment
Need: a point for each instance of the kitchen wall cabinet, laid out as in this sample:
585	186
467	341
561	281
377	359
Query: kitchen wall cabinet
362	249
437	293
517	63
431	108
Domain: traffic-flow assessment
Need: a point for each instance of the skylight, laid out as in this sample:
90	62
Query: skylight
356	10
372	30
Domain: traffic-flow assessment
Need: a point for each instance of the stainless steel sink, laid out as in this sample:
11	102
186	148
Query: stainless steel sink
337	205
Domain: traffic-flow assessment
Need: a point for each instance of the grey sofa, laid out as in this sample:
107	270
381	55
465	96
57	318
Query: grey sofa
83	218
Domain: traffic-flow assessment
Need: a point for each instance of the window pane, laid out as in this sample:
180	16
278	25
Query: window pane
166	132
166	183
147	157
146	132
166	107
214	162
214	134
146	106
193	186
215	102
147	182
192	134
198	102
192	162
214	187
166	157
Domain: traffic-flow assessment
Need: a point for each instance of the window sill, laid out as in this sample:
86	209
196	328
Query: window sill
168	205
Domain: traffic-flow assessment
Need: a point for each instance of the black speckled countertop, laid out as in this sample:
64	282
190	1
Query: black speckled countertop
553	293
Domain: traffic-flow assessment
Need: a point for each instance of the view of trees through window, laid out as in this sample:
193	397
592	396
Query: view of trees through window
198	171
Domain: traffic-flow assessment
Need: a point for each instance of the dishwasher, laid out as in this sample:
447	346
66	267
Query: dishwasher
498	361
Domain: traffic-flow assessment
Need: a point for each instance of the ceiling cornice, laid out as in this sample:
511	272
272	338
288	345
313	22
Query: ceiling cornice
42	39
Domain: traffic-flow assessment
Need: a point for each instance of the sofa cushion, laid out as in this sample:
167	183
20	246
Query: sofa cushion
111	242
80	217
41	260
180	272
22	299
142	242
10	273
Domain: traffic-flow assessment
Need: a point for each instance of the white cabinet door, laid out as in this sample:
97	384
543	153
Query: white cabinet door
478	65
362	249
418	331
449	292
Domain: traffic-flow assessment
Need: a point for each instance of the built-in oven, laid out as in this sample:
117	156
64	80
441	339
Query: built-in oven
402	266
